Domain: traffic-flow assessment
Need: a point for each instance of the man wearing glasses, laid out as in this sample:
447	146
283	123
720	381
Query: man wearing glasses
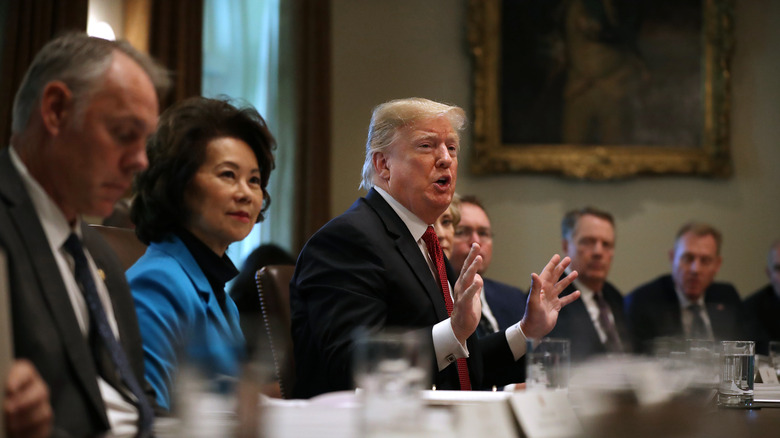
502	304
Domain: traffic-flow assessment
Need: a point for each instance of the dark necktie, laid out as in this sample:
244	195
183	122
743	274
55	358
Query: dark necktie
698	328
613	344
484	328
100	323
432	242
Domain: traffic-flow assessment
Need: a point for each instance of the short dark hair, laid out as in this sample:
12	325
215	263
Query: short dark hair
700	229
80	61
571	217
472	199
178	149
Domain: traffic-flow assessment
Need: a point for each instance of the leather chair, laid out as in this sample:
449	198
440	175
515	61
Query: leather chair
273	290
124	242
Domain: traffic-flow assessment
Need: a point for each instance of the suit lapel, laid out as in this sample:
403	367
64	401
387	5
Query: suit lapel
179	250
49	280
409	250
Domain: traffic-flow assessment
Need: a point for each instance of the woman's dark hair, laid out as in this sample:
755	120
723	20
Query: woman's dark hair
178	149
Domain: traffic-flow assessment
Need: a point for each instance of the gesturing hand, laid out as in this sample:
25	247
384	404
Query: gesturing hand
541	312
466	303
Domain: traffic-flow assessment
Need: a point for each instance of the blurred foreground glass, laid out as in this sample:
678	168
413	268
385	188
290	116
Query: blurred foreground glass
737	360
547	364
774	355
391	369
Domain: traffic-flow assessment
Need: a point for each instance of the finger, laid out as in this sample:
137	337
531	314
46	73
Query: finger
473	289
473	253
470	271
565	282
568	299
561	267
552	263
536	285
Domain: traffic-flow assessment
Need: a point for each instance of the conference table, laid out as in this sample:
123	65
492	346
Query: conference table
490	414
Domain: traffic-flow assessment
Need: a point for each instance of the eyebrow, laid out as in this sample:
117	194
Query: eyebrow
235	165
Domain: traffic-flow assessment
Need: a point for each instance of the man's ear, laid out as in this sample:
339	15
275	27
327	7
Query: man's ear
565	246
56	106
671	255
381	166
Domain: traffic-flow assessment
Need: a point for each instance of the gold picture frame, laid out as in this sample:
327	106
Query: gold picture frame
706	129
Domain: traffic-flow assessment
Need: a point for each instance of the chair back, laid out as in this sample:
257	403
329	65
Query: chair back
124	242
273	290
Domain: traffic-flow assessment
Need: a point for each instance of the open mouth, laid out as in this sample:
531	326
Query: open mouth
443	181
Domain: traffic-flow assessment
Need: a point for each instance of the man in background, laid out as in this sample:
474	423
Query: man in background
762	309
687	303
80	122
595	324
502	304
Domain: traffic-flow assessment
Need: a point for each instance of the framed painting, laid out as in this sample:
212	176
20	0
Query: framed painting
601	89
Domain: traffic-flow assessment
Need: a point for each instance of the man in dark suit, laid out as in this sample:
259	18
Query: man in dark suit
762	309
687	303
379	265
80	122
595	324
502	304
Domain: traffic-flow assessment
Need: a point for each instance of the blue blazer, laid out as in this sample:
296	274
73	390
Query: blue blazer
180	317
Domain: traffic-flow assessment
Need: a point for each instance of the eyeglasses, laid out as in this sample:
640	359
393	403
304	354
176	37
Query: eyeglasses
484	234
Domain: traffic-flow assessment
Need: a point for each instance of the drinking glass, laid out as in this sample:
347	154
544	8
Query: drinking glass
391	369
737	359
547	364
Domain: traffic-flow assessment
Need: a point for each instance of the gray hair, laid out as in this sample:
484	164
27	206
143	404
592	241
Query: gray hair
571	218
388	118
80	62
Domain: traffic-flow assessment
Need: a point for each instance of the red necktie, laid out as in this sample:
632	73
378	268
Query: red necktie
432	242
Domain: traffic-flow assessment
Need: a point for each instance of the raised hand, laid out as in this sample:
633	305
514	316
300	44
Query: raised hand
544	303
466	303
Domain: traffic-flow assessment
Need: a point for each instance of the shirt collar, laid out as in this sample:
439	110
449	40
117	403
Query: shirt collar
55	225
684	301
415	225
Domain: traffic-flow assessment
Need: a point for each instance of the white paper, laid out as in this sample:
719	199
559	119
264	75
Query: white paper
768	374
545	414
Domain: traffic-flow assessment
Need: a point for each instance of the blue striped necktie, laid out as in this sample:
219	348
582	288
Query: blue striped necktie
100	323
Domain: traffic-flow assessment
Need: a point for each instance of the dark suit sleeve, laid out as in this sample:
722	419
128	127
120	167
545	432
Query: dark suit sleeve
342	282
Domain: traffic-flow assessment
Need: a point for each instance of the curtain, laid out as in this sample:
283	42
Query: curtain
175	40
242	60
27	26
311	35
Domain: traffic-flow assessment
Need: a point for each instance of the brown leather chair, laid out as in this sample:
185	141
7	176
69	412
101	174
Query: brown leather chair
124	242
273	290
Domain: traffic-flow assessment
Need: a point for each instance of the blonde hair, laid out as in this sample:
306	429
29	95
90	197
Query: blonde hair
388	118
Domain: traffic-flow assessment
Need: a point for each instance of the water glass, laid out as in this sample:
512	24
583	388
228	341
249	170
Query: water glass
547	364
391	369
737	360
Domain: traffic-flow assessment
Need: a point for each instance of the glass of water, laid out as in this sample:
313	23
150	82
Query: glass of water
737	359
547	364
391	369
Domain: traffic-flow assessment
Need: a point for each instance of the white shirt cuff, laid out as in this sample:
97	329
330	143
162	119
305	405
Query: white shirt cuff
516	340
446	345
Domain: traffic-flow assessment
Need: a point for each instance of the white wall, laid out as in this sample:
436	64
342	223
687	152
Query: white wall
389	49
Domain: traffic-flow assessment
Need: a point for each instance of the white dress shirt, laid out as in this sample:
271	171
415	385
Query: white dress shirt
122	415
445	344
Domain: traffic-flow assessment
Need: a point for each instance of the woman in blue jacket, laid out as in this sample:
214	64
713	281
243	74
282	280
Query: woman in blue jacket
205	188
